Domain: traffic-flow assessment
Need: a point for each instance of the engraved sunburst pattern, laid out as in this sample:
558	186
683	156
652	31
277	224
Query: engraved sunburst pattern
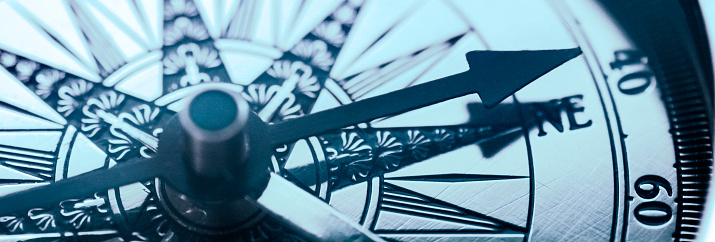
88	85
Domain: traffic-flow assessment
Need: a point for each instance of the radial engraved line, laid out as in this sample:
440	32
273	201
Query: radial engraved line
365	82
103	50
242	25
36	22
464	18
55	16
435	208
27	37
126	29
139	12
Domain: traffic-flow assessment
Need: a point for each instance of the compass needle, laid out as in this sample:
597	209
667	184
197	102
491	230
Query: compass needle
490	75
80	186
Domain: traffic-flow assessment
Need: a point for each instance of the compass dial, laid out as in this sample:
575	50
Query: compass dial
601	147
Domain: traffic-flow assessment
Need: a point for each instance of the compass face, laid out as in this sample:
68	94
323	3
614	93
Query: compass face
597	149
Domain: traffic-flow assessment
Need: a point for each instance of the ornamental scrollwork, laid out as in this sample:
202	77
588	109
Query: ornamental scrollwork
190	58
97	109
305	82
46	80
172	9
332	32
389	151
315	52
71	96
42	219
13	224
128	133
25	69
182	28
352	159
356	154
86	214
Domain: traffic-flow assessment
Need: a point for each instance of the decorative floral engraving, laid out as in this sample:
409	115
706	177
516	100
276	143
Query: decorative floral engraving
309	87
127	138
71	215
358	154
43	218
93	123
307	83
388	150
182	28
444	139
346	14
466	133
191	58
203	57
316	52
175	8
286	69
289	109
46	80
259	95
417	144
7	59
81	213
13	224
331	32
70	96
25	69
353	159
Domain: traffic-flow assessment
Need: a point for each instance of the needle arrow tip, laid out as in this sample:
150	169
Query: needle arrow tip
499	74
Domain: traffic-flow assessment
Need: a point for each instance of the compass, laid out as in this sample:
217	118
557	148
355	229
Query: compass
434	120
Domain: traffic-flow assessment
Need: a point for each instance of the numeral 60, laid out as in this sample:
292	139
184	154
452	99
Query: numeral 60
652	213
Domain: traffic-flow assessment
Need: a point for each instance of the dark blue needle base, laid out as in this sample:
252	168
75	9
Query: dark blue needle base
213	110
